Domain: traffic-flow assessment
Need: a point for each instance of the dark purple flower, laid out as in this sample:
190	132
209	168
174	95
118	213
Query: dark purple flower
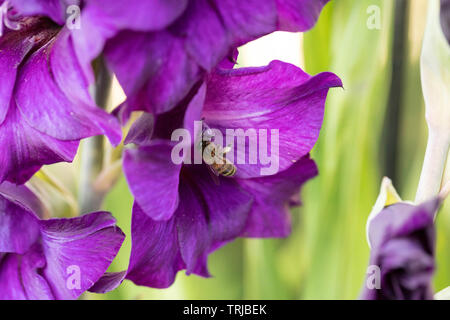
160	48
180	214
99	22
45	105
157	66
402	238
55	258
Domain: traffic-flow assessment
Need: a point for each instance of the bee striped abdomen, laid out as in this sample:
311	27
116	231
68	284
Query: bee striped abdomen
220	165
227	170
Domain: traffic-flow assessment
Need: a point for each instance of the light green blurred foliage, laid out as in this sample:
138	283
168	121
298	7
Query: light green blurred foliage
326	256
350	148
338	202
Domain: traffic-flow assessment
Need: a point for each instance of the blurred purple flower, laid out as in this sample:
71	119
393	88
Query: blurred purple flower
56	258
157	64
99	22
45	105
180	215
402	238
160	48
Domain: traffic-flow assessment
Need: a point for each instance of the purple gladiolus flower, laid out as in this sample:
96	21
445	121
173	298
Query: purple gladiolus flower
96	22
402	237
158	64
45	105
180	214
159	48
55	258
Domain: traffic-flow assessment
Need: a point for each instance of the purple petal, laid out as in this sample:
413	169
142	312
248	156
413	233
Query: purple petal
409	256
279	96
34	284
400	220
137	15
193	234
55	9
68	75
153	179
108	282
153	69
206	37
182	116
207	214
89	40
88	243
66	69
24	149
212	28
10	278
197	41
21	276
22	196
402	238
194	111
155	256
13	50
19	228
100	23
230	61
247	20
145	129
270	216
207	217
141	131
53	113
298	15
406	272
226	203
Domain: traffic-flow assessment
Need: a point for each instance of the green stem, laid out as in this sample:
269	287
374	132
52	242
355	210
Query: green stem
90	199
435	78
392	117
433	166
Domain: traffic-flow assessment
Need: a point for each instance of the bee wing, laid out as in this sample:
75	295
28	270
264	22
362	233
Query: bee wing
214	175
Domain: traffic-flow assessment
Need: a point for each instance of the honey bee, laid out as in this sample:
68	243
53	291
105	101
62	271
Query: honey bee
214	156
220	165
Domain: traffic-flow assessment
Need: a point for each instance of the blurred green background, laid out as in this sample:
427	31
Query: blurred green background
373	127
